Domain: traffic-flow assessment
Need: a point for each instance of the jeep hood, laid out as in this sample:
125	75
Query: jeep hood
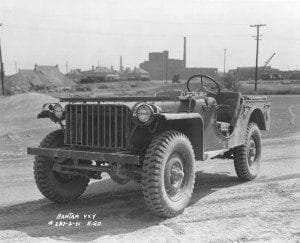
166	103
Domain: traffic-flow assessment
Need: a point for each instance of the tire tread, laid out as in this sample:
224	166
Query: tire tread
152	171
41	172
240	156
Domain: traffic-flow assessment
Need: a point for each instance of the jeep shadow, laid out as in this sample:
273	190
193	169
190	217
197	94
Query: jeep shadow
119	212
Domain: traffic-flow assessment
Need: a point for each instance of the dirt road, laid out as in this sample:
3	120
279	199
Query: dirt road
221	207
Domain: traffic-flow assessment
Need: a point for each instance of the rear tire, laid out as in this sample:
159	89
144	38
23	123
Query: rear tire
56	186
168	175
247	156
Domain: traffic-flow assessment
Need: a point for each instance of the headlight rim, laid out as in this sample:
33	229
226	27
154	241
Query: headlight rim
151	116
55	112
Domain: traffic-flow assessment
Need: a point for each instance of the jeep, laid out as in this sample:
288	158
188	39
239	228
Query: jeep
153	140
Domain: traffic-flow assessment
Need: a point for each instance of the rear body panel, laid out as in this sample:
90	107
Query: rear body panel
214	140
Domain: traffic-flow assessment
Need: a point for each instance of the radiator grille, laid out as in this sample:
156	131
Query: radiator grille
97	126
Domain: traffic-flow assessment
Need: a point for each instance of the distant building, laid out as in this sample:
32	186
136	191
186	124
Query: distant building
159	64
156	65
94	75
175	66
291	74
102	70
248	73
295	75
75	74
98	72
188	72
138	74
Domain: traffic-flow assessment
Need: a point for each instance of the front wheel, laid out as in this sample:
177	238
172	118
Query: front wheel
168	174
247	157
56	186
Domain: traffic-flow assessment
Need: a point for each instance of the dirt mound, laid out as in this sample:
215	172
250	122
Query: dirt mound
42	77
18	112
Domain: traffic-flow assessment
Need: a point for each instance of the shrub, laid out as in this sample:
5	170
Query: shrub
231	83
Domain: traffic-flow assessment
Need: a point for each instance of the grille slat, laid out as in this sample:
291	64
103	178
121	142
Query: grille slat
116	127
87	125
71	123
122	128
97	126
93	126
104	124
109	126
81	125
76	119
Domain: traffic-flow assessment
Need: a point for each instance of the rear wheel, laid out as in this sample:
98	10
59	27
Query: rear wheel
56	186
168	174
247	157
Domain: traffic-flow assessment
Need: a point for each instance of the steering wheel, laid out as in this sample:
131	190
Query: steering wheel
203	87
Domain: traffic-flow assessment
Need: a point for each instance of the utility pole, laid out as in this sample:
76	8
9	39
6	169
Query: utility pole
67	67
257	26
166	67
224	70
16	67
1	68
184	51
121	64
67	70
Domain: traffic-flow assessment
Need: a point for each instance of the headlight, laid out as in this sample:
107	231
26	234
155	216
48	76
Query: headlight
58	111
144	113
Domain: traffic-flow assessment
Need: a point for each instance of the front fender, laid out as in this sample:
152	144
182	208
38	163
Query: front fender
44	114
191	124
261	117
180	116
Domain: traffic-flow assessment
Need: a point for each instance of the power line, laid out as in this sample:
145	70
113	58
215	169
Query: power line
121	34
98	18
257	26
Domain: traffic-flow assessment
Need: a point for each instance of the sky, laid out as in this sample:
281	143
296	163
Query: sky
83	32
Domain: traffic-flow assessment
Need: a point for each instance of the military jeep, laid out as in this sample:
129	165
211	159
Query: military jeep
153	140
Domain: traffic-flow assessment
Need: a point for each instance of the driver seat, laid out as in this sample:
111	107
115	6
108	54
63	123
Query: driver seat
229	104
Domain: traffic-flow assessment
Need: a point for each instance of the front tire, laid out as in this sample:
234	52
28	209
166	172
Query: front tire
168	175
247	157
56	186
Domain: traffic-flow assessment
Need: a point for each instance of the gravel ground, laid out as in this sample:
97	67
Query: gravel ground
222	208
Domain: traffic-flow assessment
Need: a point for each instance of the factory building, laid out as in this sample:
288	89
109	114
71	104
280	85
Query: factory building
156	66
248	73
188	72
160	66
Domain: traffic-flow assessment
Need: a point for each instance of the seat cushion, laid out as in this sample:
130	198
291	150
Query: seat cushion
228	106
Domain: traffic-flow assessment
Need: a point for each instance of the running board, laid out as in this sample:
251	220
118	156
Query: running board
214	153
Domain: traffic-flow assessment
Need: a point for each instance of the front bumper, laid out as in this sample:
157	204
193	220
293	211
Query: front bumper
85	155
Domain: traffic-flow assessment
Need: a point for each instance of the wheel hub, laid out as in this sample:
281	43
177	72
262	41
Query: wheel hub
252	153
174	176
